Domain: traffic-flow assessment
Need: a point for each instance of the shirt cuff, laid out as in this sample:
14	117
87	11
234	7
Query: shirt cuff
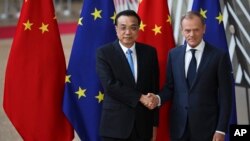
159	104
220	132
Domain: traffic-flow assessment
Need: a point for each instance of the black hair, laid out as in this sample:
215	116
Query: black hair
128	13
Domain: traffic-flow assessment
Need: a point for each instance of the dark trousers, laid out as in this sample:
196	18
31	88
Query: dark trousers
133	137
188	136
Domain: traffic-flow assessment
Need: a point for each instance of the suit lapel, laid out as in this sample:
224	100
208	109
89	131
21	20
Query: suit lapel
140	59
202	66
123	61
182	63
179	65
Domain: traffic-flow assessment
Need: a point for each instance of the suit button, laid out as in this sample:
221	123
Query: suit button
186	107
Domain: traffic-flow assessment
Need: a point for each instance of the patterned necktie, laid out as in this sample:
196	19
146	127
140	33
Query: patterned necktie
192	69
130	60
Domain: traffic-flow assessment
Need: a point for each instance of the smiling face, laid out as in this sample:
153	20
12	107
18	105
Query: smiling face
193	30
127	29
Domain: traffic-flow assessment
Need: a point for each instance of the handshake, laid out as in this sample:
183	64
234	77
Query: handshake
150	100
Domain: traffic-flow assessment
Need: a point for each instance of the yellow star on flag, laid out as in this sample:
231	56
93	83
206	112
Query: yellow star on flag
97	14
100	97
113	17
44	27
67	79
142	26
80	92
203	13
80	21
157	29
27	25
220	18
169	20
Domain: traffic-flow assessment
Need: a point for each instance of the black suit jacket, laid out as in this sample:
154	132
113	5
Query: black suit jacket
207	104
121	110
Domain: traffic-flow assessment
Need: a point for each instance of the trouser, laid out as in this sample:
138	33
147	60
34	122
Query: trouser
133	137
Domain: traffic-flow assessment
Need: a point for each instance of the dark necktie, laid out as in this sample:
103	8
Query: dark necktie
192	69
130	60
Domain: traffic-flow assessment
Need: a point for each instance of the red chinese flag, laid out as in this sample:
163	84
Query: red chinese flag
156	30
35	76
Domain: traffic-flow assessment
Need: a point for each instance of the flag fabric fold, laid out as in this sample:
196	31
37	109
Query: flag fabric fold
215	34
156	30
35	76
210	10
83	94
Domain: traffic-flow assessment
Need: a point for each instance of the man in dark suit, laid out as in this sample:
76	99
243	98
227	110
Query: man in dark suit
128	70
199	83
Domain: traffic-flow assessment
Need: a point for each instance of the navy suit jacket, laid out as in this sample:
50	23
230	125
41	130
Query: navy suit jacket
121	110
206	105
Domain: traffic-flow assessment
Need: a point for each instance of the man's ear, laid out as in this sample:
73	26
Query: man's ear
116	28
204	29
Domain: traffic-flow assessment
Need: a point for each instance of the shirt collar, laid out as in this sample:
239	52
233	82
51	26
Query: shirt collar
125	48
199	47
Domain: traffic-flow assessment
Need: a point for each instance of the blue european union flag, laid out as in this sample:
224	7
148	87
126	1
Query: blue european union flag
83	92
215	33
210	10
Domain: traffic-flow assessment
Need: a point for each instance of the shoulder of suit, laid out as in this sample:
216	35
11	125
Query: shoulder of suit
107	46
144	46
216	49
178	48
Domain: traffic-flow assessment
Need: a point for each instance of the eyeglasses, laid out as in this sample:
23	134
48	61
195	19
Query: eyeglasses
130	28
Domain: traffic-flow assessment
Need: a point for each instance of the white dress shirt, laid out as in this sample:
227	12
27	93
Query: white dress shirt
198	55
134	57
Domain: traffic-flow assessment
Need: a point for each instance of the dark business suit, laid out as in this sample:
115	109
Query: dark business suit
206	106
122	112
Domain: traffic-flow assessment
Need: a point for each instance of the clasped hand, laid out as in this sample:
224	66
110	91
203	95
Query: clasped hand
150	100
